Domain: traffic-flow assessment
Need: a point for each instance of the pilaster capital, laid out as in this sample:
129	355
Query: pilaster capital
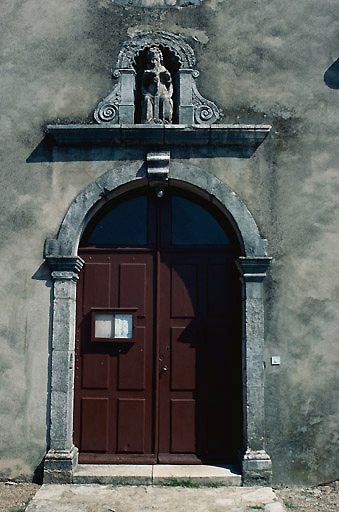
65	267
253	269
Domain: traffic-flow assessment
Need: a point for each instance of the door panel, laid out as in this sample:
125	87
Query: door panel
95	371
183	359
183	285
131	425
183	419
94	434
134	359
132	286
97	285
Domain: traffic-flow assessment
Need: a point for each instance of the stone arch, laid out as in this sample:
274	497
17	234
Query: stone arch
90	200
133	46
61	254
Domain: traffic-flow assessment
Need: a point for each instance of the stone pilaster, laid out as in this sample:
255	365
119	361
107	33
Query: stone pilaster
126	105
256	464
184	96
62	455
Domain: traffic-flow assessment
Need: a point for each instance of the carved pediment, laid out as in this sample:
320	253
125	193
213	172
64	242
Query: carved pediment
176	99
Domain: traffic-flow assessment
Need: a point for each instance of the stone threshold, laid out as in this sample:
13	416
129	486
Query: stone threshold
157	474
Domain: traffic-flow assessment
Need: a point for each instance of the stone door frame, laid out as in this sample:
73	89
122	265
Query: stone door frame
61	254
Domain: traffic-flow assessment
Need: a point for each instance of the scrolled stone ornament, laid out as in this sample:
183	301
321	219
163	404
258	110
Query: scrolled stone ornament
204	114
205	111
108	112
108	109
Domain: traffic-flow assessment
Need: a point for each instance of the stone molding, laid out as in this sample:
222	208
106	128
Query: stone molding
253	269
246	135
61	254
62	266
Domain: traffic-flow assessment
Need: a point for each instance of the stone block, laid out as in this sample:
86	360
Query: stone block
62	371
59	465
274	507
253	290
255	418
256	468
253	352
65	289
186	114
113	474
194	176
61	420
254	318
63	332
199	474
113	179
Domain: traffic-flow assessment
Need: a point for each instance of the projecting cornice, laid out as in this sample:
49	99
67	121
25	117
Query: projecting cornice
160	135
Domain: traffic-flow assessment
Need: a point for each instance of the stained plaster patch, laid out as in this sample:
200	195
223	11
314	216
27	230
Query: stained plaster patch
157	3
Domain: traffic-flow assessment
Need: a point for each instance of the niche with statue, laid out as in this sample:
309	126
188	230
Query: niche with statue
156	85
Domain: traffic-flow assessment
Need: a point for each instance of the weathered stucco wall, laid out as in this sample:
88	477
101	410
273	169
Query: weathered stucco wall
260	62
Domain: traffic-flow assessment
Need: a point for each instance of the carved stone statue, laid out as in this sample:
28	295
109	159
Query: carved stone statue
157	90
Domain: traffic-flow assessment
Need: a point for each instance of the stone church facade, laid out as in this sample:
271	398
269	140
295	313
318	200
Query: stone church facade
169	232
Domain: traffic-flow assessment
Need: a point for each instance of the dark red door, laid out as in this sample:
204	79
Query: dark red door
172	394
196	358
114	380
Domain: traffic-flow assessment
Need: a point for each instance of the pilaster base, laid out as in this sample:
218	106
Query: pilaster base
256	468
59	466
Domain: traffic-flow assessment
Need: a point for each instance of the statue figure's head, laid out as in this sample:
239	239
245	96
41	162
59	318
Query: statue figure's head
155	57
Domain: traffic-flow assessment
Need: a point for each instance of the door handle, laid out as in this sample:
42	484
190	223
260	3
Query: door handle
163	369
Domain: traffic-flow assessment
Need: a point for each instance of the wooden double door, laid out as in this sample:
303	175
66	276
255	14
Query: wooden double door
171	392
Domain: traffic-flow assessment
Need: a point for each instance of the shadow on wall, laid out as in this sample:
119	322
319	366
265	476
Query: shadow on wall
48	151
331	77
43	273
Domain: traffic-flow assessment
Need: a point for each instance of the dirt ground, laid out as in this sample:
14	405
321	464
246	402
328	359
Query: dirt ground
323	498
15	496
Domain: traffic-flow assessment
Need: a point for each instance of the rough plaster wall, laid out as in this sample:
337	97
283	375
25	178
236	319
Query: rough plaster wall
260	62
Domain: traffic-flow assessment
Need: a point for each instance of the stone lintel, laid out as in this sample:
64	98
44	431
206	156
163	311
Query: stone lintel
161	134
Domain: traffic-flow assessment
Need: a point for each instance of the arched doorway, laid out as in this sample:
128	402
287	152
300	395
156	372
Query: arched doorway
61	254
158	343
